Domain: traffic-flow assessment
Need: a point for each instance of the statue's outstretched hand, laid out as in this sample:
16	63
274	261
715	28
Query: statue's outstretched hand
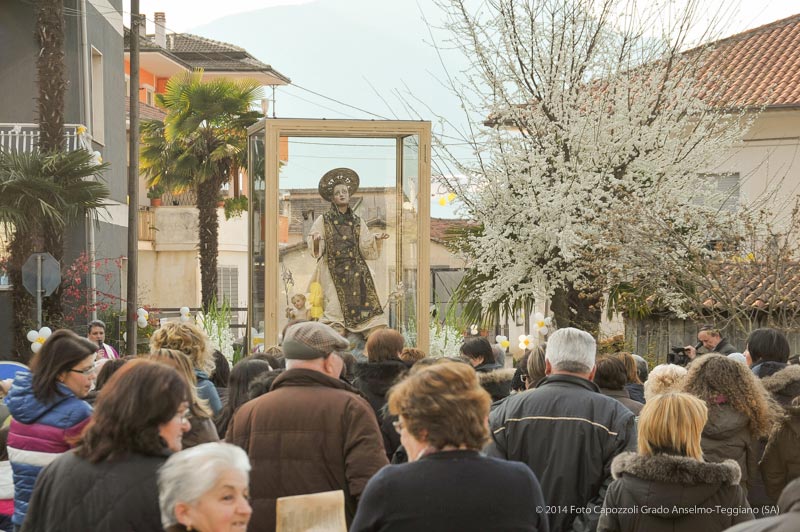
381	236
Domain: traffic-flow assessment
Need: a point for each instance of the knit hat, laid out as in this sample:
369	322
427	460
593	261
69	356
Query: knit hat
312	339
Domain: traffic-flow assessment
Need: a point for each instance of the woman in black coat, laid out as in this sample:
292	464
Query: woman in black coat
448	484
668	486
109	482
374	378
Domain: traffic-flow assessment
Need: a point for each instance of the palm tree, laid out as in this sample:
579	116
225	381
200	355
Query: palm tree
52	86
199	145
40	195
50	69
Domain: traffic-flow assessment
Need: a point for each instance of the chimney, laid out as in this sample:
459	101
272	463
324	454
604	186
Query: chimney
161	29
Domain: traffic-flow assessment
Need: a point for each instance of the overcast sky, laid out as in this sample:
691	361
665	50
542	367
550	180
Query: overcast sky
184	15
370	76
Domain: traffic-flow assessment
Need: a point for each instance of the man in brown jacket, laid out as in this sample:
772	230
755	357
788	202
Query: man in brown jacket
312	432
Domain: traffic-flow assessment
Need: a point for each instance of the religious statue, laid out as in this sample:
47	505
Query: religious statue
342	243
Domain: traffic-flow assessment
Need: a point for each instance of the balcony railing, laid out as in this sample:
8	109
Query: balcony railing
24	138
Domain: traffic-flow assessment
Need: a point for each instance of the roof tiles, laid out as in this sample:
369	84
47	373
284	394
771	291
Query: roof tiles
759	67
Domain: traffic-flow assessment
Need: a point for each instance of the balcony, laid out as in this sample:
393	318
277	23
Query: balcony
24	138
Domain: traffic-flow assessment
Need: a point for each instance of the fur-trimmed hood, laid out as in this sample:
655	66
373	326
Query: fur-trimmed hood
784	385
497	382
498	376
672	481
676	469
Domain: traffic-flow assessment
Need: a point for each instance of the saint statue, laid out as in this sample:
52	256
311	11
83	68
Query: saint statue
342	243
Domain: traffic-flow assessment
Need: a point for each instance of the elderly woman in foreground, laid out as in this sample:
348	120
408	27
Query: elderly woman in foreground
205	488
448	484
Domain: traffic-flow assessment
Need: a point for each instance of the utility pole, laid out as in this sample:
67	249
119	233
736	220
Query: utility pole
133	183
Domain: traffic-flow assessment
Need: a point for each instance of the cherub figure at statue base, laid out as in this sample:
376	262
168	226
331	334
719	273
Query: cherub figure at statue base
298	310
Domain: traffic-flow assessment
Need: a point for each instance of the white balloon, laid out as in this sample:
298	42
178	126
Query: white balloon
184	311
538	316
184	318
140	312
522	345
543	331
142	323
35	346
125	336
32	336
44	332
521	338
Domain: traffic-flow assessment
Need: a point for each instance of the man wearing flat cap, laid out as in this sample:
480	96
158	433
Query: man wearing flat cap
341	242
312	432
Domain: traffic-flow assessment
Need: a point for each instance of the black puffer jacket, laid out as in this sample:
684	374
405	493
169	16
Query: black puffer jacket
767	368
568	434
373	379
114	495
667	493
787	521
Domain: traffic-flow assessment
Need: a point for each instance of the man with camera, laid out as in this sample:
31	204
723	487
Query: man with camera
709	337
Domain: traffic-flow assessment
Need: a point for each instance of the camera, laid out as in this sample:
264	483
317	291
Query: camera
677	355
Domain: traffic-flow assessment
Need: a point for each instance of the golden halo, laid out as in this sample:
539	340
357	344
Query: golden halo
338	176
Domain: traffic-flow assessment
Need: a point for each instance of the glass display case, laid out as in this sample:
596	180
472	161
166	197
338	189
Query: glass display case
339	227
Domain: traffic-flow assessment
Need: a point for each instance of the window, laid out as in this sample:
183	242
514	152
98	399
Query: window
228	285
98	114
728	189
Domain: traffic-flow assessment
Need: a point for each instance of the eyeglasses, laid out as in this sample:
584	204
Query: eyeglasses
85	372
185	416
398	426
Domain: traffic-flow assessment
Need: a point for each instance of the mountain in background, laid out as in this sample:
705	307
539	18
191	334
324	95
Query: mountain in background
339	48
359	52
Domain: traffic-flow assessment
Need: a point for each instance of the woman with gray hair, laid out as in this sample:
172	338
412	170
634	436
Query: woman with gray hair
205	488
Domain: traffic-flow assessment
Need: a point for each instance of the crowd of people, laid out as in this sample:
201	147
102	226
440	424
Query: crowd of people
566	440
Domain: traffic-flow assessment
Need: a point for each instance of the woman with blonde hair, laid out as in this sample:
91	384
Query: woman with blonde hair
200	417
443	424
190	340
740	411
668	486
664	378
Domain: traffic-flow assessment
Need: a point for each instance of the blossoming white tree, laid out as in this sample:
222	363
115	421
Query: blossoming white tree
592	109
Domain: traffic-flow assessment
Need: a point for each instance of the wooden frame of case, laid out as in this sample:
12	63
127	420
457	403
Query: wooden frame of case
272	130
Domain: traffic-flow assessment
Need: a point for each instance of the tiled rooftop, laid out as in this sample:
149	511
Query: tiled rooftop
186	42
443	229
760	66
210	55
757	286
